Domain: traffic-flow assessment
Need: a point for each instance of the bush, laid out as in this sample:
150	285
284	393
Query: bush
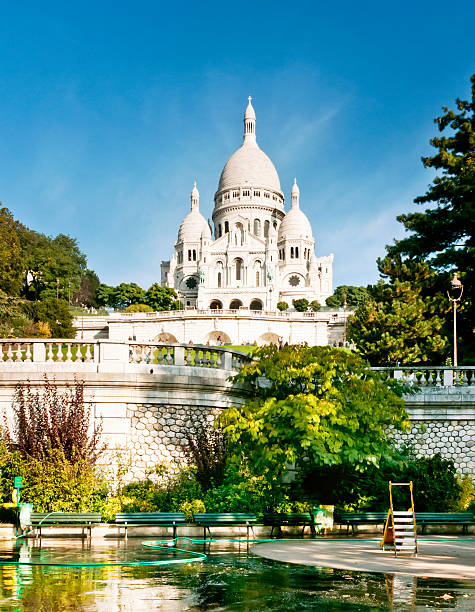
436	485
49	419
207	450
139	308
55	312
315	305
282	306
301	305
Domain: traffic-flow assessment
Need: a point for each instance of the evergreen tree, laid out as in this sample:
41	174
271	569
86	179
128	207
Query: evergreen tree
444	234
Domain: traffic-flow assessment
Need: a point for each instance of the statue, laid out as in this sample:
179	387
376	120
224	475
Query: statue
270	274
201	275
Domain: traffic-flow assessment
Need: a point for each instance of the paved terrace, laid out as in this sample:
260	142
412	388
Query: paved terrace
441	557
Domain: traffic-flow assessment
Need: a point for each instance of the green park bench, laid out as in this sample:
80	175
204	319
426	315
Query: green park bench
220	519
277	520
445	518
149	519
353	519
85	520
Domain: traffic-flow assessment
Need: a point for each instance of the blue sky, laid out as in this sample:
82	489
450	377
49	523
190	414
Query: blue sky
110	110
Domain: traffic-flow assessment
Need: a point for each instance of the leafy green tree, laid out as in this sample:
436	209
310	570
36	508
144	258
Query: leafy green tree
11	256
282	306
126	294
53	266
301	305
104	295
444	234
354	296
400	322
315	305
160	298
312	406
177	305
56	313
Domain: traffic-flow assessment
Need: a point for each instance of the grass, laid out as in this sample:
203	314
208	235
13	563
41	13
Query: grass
249	349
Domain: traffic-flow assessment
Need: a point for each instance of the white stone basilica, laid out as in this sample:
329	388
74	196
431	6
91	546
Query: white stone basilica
260	254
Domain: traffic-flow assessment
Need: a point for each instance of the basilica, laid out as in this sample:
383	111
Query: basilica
256	254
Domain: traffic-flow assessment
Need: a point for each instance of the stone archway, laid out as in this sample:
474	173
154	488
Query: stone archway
216	305
165	337
235	304
256	305
213	336
268	338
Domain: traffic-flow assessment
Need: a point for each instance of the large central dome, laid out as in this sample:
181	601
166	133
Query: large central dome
249	166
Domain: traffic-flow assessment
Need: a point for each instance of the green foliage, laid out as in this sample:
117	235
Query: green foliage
54	483
190	507
139	308
354	297
160	298
177	305
282	306
317	405
315	305
104	295
56	313
11	255
437	487
467	494
207	450
301	305
444	233
401	321
126	294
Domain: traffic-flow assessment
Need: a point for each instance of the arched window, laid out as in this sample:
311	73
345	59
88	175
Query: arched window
257	227
226	227
216	305
219	279
220	231
235	305
238	264
266	228
189	254
296	252
291	252
194	254
257	278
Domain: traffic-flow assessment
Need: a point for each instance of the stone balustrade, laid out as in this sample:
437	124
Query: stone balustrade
109	355
432	376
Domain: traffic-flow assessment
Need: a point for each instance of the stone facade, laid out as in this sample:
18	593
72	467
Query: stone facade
454	439
158	433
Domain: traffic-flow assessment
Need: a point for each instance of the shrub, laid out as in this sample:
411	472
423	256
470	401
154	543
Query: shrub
55	312
315	305
48	419
139	308
207	450
301	305
282	306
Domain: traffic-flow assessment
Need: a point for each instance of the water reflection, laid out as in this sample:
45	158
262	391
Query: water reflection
231	579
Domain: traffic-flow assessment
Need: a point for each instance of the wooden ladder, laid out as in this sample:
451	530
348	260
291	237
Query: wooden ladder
400	528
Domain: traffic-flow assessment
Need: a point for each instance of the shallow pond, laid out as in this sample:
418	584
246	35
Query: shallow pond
231	578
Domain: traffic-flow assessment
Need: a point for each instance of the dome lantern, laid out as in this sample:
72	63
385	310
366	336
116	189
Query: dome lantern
249	123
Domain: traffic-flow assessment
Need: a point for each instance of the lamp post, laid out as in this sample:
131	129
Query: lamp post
455	295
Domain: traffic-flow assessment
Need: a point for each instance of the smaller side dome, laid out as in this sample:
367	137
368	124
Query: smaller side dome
194	226
295	223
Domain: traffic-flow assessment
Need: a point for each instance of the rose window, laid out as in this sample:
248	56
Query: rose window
191	282
294	280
